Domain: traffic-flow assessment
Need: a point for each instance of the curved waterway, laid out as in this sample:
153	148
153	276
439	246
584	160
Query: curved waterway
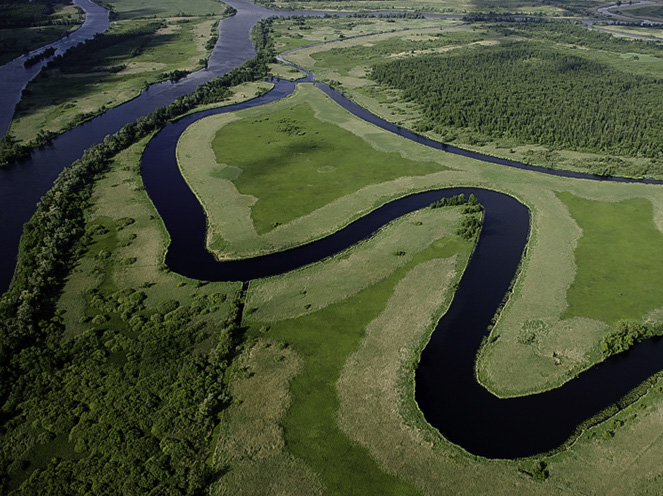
447	392
446	389
22	185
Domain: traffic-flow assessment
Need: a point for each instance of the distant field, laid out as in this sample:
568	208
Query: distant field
349	63
19	40
651	12
538	8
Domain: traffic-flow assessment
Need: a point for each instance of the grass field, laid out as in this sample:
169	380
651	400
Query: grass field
619	259
323	340
312	205
652	12
347	64
440	6
309	31
134	9
301	146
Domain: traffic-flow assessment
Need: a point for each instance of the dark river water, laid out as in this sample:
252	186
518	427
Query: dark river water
446	389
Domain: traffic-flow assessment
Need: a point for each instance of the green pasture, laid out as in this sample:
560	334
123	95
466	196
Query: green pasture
17	41
57	100
619	258
291	34
135	9
459	7
323	340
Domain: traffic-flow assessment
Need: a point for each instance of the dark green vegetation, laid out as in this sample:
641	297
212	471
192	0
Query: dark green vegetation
133	399
315	152
30	13
626	335
533	94
619	260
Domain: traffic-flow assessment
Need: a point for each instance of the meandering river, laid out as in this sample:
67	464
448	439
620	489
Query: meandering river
446	391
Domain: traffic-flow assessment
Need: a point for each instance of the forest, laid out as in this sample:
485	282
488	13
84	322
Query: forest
534	94
113	406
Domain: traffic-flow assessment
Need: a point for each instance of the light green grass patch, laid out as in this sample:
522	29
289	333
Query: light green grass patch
135	9
294	163
619	258
300	32
312	288
251	441
323	340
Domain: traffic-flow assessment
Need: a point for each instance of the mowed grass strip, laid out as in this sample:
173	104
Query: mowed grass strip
295	163
619	259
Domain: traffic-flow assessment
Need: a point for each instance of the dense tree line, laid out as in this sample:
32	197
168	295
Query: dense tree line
626	335
533	95
129	405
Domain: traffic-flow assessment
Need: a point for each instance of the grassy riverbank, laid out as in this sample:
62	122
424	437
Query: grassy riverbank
140	48
40	26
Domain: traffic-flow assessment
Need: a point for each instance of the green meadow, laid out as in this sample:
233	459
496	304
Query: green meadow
15	41
619	259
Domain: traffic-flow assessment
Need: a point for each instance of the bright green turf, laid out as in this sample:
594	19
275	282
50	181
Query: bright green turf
295	163
619	259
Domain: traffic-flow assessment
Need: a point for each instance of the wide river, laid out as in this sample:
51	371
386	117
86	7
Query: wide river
446	389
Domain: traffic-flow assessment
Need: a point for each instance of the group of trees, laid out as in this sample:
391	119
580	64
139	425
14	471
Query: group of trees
470	226
130	404
533	94
626	335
